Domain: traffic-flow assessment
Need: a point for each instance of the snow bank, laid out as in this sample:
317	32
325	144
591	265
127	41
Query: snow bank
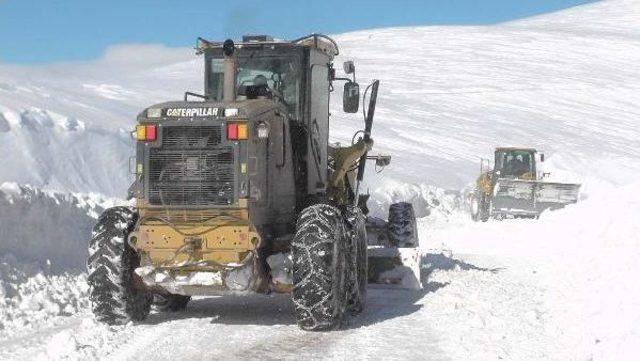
31	294
583	263
427	200
43	251
55	151
47	227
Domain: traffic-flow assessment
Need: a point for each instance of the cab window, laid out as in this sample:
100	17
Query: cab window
280	74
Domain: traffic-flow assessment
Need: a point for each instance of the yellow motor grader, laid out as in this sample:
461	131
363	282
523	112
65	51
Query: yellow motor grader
516	188
240	192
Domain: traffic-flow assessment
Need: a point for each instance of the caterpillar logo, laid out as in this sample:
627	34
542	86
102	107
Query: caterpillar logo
192	112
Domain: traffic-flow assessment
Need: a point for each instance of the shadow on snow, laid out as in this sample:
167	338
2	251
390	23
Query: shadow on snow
383	302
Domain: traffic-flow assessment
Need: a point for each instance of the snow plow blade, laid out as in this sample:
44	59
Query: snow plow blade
393	252
513	197
395	266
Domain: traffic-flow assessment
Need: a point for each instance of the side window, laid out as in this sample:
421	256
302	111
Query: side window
499	160
215	80
318	126
320	94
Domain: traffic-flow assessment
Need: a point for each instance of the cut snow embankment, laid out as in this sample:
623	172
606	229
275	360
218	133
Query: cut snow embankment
565	286
43	248
55	151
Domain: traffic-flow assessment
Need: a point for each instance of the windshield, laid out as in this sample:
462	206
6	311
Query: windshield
280	74
515	163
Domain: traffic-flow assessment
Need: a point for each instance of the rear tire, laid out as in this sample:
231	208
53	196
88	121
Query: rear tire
320	255
402	226
170	302
112	283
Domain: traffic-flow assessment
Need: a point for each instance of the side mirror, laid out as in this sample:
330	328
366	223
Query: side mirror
542	157
348	67
383	160
351	97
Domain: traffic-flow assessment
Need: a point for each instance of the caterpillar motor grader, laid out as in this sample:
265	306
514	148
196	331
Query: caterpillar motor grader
239	191
516	188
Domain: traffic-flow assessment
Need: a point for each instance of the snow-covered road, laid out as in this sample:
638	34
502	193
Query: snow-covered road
471	305
397	324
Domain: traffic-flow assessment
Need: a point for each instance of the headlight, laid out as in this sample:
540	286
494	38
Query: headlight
154	113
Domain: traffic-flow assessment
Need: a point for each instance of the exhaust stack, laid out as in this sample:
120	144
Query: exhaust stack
229	69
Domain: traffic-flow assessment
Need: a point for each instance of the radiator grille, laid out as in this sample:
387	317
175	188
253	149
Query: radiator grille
190	137
191	168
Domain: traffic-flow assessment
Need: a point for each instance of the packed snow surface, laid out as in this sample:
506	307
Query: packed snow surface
563	287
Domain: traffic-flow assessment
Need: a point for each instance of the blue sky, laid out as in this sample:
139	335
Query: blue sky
48	31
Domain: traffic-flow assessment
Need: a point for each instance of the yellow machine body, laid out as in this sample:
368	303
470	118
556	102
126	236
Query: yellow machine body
194	239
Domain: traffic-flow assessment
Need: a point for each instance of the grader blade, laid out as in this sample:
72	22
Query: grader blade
395	266
394	253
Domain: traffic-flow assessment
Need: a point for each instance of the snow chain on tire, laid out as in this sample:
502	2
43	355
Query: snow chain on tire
358	270
111	266
320	257
403	229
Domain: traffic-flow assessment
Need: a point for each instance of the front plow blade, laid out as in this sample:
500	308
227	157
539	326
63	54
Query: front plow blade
530	198
395	266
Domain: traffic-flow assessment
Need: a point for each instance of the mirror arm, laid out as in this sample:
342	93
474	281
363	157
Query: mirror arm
345	79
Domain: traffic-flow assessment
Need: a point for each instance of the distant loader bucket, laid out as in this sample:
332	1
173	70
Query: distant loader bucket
513	197
393	253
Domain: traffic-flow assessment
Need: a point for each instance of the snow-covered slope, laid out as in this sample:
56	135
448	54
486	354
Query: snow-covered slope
559	288
66	127
564	83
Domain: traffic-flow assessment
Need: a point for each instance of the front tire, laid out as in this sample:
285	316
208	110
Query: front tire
115	295
319	250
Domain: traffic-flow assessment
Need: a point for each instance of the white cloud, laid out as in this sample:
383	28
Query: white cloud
136	55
